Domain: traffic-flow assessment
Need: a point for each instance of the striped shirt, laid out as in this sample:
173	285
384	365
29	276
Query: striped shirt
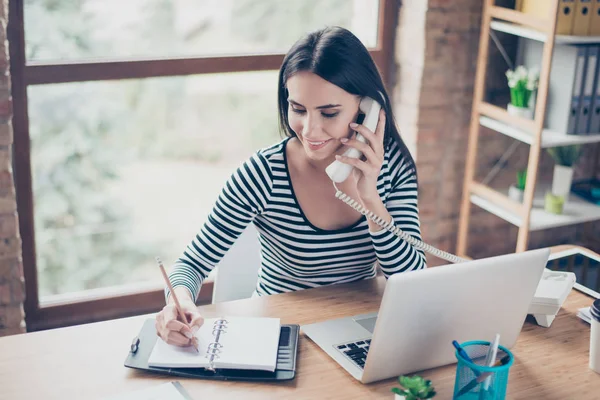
295	254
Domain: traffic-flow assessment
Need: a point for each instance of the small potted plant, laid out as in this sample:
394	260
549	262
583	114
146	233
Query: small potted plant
522	84
564	157
414	388
517	190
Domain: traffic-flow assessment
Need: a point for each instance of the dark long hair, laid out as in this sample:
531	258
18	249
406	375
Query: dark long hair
339	57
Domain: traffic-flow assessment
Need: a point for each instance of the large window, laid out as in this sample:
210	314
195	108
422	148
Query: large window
125	170
84	29
129	117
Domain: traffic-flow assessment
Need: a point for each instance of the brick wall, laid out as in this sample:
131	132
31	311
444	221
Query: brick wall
436	51
12	291
436	47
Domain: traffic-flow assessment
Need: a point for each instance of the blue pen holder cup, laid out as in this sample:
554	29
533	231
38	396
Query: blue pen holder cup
474	380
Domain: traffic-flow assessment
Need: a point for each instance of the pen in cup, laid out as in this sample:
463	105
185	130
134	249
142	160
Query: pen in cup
193	339
490	360
464	355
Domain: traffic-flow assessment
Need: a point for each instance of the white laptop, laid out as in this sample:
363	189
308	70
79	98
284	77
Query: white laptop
423	311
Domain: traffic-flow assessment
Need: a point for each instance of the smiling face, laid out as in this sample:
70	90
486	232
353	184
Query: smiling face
319	113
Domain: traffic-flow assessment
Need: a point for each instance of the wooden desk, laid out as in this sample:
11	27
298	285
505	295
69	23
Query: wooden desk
87	361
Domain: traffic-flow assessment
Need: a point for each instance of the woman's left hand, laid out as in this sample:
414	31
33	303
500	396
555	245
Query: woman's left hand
368	166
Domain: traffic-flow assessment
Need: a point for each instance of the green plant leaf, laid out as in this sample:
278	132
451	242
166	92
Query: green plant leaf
416	387
521	179
565	155
399	391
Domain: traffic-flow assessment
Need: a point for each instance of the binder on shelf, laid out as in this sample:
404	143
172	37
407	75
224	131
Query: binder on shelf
582	20
519	5
564	84
581	63
595	107
595	19
536	8
565	17
541	9
585	110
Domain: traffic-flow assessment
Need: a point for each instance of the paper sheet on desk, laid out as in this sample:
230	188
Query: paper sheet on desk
584	314
166	391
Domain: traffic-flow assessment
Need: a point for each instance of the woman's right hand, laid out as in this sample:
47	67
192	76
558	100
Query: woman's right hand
169	325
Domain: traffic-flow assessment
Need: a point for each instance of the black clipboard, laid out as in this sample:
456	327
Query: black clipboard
142	346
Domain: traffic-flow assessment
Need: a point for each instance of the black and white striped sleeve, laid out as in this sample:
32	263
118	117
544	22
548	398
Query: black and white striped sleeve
394	254
244	196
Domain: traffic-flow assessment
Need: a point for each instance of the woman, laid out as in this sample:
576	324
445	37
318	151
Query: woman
309	237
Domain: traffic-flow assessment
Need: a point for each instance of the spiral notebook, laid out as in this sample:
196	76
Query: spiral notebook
241	343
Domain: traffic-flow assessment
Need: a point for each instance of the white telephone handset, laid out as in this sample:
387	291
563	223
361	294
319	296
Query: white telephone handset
339	172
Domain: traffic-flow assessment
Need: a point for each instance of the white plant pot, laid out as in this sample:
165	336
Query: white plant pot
515	193
398	397
561	181
520	111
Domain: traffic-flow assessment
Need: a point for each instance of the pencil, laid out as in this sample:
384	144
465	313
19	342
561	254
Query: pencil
194	340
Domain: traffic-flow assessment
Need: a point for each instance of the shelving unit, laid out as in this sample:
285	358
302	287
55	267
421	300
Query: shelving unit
530	215
529	33
576	211
549	138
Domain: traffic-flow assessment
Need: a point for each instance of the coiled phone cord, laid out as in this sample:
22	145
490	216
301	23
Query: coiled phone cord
389	226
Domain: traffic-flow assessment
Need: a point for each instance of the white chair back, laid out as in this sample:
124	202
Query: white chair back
237	272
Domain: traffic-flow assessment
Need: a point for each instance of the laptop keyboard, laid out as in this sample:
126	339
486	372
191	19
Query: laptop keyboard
356	351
